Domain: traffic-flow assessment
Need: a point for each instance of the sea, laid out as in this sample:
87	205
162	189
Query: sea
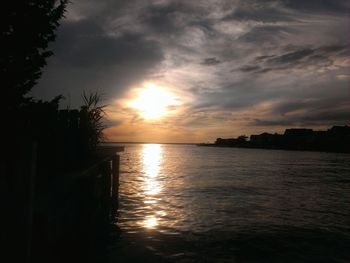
187	203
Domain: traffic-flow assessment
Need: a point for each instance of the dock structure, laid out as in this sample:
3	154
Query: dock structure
84	205
111	155
57	211
87	206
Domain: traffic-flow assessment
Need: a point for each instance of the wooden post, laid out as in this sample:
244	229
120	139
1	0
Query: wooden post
115	182
32	182
103	183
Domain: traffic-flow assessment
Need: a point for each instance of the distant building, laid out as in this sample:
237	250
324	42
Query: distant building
335	139
298	132
339	130
266	140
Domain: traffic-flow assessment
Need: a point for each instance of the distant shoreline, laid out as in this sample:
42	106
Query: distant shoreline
266	148
335	139
179	143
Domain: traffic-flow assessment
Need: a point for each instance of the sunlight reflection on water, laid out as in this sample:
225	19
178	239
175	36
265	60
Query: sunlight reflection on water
170	188
151	159
214	202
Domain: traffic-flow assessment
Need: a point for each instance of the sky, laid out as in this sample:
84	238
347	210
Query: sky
212	68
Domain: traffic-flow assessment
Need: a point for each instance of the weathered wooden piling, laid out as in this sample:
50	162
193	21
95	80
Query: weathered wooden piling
115	182
31	204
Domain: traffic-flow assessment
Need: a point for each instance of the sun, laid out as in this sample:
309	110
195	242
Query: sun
154	102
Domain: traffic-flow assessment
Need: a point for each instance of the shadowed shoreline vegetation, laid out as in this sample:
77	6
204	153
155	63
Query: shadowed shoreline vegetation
54	178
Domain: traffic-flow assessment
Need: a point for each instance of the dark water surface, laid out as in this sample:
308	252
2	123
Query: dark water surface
204	204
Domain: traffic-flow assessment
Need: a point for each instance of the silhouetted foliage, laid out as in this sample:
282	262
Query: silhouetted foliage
37	116
91	120
27	27
44	146
68	136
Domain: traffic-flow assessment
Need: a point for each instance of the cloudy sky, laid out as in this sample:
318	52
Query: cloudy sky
232	67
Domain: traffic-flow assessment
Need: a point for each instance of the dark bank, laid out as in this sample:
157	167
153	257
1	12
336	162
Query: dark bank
59	187
335	139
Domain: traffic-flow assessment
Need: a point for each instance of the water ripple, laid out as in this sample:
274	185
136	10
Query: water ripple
219	196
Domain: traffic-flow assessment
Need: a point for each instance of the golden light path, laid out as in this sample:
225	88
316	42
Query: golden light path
154	102
151	159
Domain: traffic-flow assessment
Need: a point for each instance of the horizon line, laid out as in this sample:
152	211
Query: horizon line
183	143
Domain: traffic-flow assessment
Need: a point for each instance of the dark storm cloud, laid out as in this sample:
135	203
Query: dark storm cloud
300	58
278	9
259	58
312	55
271	34
322	118
323	111
232	97
89	58
85	44
268	11
315	106
289	57
317	6
249	68
162	18
210	61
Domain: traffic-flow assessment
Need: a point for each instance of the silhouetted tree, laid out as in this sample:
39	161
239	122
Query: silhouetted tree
27	27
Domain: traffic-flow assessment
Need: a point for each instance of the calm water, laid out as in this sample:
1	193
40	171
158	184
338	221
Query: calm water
203	204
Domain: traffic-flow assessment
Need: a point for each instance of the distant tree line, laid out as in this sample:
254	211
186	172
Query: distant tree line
335	139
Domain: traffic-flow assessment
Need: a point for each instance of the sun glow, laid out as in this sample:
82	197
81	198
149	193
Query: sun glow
154	102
